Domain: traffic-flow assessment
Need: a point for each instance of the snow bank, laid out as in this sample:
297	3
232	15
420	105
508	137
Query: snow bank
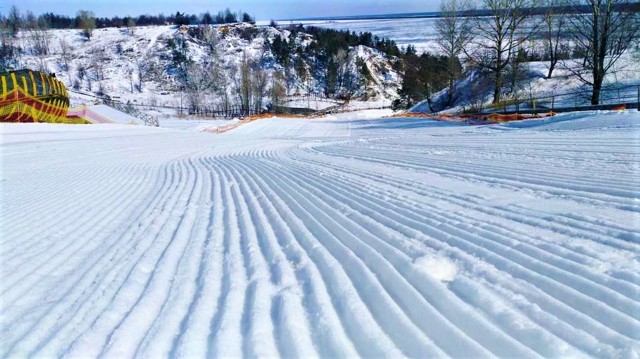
582	120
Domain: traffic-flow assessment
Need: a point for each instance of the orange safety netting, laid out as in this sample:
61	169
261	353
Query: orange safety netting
247	119
477	119
30	96
20	107
496	117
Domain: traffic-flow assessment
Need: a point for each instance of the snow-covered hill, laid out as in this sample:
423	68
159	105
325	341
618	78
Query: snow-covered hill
343	237
115	60
470	89
562	89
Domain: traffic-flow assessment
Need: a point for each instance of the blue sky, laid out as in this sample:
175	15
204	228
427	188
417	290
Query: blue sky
261	9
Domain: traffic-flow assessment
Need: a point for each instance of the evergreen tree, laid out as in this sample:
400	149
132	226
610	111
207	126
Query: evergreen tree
181	19
14	20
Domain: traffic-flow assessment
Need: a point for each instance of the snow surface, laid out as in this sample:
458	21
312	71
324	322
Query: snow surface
341	237
419	32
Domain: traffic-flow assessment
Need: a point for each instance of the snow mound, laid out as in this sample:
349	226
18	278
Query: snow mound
438	267
422	106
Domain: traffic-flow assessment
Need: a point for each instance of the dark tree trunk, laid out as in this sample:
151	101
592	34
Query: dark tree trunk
498	87
597	86
552	65
450	93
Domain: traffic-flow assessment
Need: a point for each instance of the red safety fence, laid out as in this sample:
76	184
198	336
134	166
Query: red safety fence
476	119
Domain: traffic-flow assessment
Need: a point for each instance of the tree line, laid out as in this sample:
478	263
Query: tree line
38	38
330	59
15	20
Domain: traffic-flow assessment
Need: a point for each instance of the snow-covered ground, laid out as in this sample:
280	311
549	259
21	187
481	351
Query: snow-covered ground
340	237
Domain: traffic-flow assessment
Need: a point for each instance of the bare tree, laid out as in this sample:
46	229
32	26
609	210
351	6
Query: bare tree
243	84
224	96
66	55
554	25
201	79
39	40
65	52
98	61
130	76
250	85
196	84
517	72
9	52
210	38
83	73
498	36
87	23
42	65
454	34
131	25
278	91
145	69
604	34
259	86
341	60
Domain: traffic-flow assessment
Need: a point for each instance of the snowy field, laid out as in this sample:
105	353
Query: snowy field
419	32
341	237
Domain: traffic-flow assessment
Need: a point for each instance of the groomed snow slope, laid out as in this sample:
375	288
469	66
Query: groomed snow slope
333	238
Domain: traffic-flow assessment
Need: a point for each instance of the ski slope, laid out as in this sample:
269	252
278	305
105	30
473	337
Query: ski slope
339	237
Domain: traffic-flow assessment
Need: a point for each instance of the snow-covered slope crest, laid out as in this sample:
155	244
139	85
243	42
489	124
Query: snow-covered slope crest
343	237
